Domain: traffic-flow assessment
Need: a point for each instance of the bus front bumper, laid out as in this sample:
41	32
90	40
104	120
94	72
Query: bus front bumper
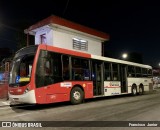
28	97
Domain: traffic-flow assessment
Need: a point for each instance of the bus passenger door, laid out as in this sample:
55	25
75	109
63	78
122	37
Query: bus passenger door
123	78
97	77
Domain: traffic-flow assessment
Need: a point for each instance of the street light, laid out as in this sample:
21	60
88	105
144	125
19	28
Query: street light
124	55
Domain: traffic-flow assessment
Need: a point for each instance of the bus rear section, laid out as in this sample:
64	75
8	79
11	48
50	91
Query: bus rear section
117	77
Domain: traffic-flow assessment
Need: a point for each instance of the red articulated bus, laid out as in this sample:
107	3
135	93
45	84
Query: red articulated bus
43	74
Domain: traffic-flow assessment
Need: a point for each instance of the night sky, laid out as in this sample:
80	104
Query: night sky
133	26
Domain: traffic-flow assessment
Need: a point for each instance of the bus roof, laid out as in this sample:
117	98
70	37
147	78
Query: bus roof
120	61
86	55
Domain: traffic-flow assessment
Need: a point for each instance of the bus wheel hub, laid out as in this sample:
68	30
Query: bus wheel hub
76	95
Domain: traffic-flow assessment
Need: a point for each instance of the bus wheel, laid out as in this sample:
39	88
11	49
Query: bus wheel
77	95
141	90
134	90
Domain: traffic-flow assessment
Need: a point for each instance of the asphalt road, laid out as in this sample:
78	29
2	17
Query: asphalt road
119	108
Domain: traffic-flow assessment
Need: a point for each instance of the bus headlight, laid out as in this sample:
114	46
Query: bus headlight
27	90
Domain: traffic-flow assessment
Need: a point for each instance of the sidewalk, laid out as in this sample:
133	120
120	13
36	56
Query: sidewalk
4	102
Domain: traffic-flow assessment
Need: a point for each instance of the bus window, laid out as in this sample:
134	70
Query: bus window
23	70
144	72
149	72
107	67
48	69
131	71
54	68
80	69
115	72
66	71
138	72
40	69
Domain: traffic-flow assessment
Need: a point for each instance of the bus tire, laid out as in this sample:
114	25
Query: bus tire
141	90
76	96
134	90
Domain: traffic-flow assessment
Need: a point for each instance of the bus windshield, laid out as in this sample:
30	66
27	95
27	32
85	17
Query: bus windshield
21	68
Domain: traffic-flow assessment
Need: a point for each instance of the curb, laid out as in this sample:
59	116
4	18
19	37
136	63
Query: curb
5	102
153	91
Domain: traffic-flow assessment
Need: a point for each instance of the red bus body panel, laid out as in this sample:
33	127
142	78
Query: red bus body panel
58	92
61	91
17	90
